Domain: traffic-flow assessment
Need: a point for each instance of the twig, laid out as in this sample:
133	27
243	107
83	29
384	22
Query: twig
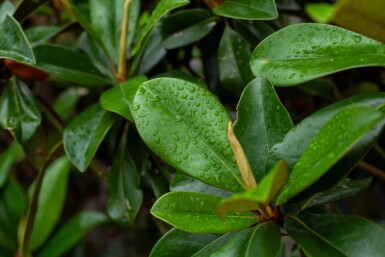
122	67
372	170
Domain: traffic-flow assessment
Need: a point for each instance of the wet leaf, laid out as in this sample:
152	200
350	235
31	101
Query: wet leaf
195	213
52	196
344	189
178	243
120	99
13	42
333	141
125	196
260	110
187	127
71	233
351	236
321	50
233	57
84	134
247	9
19	112
68	65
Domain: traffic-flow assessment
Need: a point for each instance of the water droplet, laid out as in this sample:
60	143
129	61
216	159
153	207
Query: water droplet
357	38
178	118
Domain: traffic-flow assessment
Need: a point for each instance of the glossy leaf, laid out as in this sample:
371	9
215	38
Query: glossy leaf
334	140
66	102
186	27
351	236
265	241
163	7
125	196
120	99
343	190
52	197
247	9
178	243
6	7
270	185
152	52
216	244
69	65
79	17
183	183
13	43
71	233
106	19
195	213
39	34
186	126
235	246
19	112
322	50
233	57
13	154
253	31
84	134
262	121
299	137
12	208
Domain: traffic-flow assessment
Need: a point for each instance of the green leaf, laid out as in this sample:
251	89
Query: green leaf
125	196
235	246
84	134
13	43
79	17
185	183
195	213
247	9
68	65
66	102
233	59
120	99
270	185
186	27
163	7
19	112
6	8
299	137
177	243
52	197
265	241
106	18
151	54
42	33
322	50
320	12
13	154
71	233
12	208
333	141
216	244
187	127
351	236
26	7
262	121
344	189
253	31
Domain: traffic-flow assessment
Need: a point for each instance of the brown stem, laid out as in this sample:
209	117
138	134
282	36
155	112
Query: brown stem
372	170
